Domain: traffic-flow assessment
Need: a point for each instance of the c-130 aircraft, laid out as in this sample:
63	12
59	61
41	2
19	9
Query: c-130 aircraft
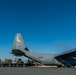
67	58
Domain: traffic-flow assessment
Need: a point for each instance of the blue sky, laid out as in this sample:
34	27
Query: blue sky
47	26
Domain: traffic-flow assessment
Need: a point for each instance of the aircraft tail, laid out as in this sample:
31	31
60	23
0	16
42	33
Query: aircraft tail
19	46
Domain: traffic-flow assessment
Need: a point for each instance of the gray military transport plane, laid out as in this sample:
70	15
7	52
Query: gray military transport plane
67	58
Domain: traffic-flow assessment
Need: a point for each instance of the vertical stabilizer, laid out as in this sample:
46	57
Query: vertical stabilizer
19	46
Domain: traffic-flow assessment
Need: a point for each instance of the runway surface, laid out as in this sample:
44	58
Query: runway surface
36	71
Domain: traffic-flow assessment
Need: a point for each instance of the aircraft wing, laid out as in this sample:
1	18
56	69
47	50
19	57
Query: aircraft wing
67	58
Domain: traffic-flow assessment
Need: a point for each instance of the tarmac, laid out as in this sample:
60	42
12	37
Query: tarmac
36	71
